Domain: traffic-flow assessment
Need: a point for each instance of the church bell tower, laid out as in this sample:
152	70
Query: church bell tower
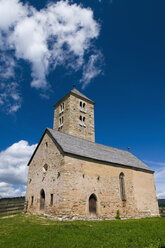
74	115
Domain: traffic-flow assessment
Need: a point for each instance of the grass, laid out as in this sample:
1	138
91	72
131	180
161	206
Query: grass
27	231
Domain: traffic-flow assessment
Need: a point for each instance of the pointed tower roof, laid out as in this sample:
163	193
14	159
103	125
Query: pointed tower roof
75	92
78	93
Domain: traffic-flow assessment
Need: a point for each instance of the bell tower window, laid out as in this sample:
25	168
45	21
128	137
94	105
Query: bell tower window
74	115
62	108
82	107
82	121
61	122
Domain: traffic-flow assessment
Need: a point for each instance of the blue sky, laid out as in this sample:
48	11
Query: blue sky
113	51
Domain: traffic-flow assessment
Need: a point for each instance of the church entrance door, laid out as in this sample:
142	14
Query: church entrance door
92	205
42	200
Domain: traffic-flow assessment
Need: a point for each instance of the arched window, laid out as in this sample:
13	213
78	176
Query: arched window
93	204
62	107
82	107
122	186
42	200
82	121
61	122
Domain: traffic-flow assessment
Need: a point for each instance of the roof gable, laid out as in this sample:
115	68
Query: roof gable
54	141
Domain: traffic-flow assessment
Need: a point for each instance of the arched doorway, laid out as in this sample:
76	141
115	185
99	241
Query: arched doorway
42	200
93	205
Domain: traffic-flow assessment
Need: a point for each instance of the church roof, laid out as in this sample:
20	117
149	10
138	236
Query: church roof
84	148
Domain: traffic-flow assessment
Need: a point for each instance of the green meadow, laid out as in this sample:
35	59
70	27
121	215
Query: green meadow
27	231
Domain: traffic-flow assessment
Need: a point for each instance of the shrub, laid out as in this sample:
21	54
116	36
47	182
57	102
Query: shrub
118	215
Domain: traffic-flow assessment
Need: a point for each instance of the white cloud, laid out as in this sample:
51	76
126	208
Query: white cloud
7	65
10	99
11	11
159	175
13	168
7	190
91	70
161	195
59	34
160	182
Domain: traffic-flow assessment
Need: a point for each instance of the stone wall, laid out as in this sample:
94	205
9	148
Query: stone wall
84	178
145	193
72	180
49	181
71	115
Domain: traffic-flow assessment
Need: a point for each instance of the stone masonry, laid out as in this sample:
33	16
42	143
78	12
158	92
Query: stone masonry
68	180
71	114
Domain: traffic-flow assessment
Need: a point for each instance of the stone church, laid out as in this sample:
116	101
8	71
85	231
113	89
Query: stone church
71	176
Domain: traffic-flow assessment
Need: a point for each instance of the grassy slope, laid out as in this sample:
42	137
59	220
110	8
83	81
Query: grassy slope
39	232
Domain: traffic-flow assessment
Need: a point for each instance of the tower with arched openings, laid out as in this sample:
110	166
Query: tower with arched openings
72	176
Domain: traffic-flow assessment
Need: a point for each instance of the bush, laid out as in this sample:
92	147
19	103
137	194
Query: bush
118	215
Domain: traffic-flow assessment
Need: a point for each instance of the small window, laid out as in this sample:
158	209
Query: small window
61	121
51	199
122	186
62	107
82	107
32	200
45	167
82	121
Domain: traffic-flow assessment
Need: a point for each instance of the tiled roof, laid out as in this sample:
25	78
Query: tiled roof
84	148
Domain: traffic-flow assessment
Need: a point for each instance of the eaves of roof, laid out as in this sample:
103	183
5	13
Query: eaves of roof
71	145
